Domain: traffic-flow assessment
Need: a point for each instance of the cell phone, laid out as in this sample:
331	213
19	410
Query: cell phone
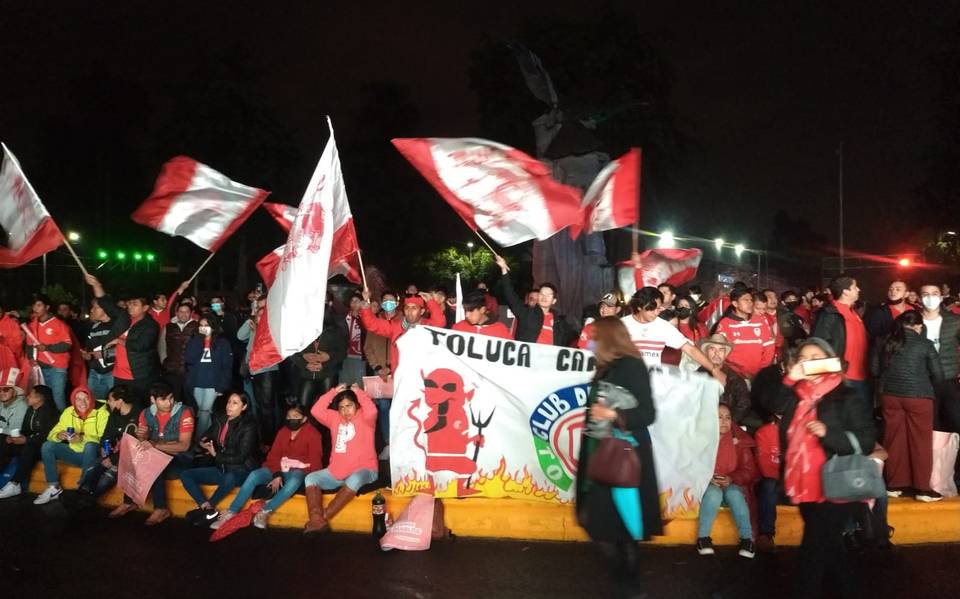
822	366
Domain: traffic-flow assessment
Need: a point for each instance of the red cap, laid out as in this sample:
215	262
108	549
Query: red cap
415	299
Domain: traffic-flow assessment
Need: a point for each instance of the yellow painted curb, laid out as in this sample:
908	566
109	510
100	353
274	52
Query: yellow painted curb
915	522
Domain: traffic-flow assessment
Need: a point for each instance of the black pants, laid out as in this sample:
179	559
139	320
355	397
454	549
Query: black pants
29	456
265	394
310	390
947	412
822	553
622	558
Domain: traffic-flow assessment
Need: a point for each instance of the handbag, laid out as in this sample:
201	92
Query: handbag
852	477
615	463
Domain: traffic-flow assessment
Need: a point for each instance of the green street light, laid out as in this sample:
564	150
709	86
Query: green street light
102	254
137	256
121	255
151	257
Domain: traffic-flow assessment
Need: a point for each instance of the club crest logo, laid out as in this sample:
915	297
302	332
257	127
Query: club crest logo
556	424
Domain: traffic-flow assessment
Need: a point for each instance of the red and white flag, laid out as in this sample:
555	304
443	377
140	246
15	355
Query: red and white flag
613	199
192	200
657	266
496	188
321	241
30	230
282	213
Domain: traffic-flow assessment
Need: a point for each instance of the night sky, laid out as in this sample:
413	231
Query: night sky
764	94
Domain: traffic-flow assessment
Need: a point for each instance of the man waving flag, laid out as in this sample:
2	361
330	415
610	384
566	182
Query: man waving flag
194	201
322	240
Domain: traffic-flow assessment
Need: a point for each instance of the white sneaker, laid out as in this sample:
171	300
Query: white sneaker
260	519
49	494
384	454
11	489
224	516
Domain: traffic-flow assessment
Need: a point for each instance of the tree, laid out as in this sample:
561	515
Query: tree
444	265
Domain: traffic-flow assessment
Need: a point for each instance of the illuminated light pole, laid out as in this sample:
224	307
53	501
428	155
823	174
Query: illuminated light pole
738	249
718	243
666	240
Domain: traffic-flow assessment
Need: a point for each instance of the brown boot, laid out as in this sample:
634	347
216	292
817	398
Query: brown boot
340	500
316	523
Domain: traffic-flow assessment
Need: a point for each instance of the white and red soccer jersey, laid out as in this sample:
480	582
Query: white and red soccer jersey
753	344
651	337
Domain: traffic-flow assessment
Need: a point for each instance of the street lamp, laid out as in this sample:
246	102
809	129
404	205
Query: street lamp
666	240
73	236
470	247
738	249
718	243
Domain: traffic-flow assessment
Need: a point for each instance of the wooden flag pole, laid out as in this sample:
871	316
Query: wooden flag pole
363	275
489	247
636	238
74	254
210	257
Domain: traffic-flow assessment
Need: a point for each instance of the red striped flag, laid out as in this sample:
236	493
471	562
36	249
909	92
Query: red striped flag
656	266
192	200
30	230
613	199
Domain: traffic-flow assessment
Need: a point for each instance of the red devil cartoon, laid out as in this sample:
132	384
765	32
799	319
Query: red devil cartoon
447	428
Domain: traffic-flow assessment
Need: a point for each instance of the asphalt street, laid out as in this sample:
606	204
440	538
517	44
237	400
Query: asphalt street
58	550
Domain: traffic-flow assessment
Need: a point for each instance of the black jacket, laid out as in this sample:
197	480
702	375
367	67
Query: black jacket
141	341
333	341
37	423
530	319
117	424
98	334
841	410
239	450
910	372
596	511
831	328
879	322
950	345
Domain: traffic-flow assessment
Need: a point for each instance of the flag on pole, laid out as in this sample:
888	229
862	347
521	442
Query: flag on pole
322	241
613	199
496	188
461	312
30	230
673	266
282	213
192	200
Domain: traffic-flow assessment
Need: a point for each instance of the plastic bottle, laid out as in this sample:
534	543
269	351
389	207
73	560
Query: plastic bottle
379	515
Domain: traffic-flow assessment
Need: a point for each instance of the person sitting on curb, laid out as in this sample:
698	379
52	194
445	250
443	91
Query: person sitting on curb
166	425
735	473
40	417
232	442
353	462
75	439
297	451
122	405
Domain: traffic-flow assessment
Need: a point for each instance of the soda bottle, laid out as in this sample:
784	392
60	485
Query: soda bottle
70	433
107	448
379	515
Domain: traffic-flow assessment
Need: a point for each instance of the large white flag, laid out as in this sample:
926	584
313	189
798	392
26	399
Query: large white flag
192	200
31	232
479	415
613	199
321	240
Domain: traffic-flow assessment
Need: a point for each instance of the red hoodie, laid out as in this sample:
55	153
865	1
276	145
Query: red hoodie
768	450
353	442
307	448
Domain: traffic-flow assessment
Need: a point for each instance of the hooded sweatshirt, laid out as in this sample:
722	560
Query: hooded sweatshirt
11	414
91	423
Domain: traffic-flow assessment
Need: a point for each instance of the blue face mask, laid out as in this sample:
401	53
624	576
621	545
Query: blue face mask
591	345
217	307
389	306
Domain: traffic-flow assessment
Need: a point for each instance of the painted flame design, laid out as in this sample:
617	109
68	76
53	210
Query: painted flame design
519	484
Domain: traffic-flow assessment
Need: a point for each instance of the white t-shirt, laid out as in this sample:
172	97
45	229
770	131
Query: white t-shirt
651	337
933	330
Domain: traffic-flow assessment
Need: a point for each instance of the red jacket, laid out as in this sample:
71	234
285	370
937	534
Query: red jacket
11	335
491	329
745	473
307	447
753	348
768	450
393	329
56	336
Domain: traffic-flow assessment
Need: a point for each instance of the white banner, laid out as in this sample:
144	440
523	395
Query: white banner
478	415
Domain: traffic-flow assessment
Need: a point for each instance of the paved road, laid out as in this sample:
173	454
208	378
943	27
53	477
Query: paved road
52	551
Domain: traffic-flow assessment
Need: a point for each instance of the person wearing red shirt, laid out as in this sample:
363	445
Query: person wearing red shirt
839	325
10	334
879	320
49	347
752	340
353	459
769	487
160	305
354	365
688	324
609	305
476	318
413	308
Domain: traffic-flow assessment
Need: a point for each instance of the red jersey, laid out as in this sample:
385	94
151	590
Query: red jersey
546	332
55	334
121	367
493	329
752	344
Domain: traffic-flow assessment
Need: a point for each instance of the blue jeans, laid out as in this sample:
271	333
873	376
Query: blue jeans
52	451
325	480
192	478
768	495
100	383
205	399
733	497
56	379
383	418
292	481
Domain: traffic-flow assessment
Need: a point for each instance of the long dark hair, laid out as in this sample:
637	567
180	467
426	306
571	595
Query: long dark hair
898	337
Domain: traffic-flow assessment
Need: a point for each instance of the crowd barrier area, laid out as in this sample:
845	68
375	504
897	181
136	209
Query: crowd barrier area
914	521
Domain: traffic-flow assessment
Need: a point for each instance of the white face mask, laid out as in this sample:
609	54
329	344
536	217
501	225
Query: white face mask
205	331
931	302
695	297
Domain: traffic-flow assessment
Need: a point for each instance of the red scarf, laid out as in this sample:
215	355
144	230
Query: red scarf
805	456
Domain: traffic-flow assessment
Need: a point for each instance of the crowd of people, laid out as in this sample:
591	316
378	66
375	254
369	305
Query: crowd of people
805	376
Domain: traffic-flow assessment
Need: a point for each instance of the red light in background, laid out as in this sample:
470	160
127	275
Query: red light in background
904	262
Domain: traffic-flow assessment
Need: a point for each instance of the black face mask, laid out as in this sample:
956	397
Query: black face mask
683	313
294	423
791	304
